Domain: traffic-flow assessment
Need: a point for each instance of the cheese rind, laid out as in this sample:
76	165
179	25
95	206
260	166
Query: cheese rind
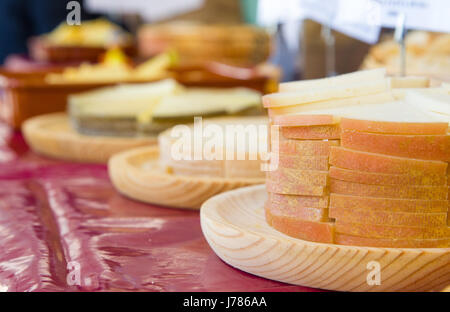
322	232
287	176
304	147
385	179
388	204
393	232
295	189
302	162
372	162
390	127
300	212
427	147
312	132
350	240
294	201
380	217
389	191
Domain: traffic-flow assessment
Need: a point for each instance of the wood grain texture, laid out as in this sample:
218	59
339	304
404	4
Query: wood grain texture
51	135
235	227
138	174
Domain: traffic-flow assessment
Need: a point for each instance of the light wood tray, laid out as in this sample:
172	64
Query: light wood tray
137	174
235	227
52	135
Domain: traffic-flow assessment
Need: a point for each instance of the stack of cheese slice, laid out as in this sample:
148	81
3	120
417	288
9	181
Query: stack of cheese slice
228	147
359	163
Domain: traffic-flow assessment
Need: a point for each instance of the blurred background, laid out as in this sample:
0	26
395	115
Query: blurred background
239	32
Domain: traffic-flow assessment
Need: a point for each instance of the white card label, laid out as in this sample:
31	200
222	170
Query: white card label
432	15
152	10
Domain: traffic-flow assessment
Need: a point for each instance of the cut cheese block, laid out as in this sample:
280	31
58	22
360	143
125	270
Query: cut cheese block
388	204
303	162
411	192
379	217
371	162
341	80
293	201
322	232
295	189
383	231
385	179
304	147
194	152
392	127
287	177
409	82
334	104
303	213
321	94
428	147
342	239
312	132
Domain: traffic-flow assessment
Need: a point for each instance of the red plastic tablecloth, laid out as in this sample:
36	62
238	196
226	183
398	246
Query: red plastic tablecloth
61	219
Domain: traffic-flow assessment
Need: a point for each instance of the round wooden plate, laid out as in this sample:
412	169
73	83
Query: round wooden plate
137	174
235	227
52	135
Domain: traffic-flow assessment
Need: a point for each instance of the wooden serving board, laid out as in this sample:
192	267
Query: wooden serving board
52	135
235	227
138	174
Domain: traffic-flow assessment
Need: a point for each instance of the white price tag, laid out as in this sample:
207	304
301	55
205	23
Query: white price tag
361	19
273	12
432	15
114	6
352	17
160	10
153	10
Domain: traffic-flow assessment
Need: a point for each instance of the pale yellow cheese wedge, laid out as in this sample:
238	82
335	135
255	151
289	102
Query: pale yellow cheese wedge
436	100
322	94
341	80
409	82
332	104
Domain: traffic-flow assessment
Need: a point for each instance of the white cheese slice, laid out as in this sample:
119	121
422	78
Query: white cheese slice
323	94
126	100
432	100
198	102
330	104
409	82
341	80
